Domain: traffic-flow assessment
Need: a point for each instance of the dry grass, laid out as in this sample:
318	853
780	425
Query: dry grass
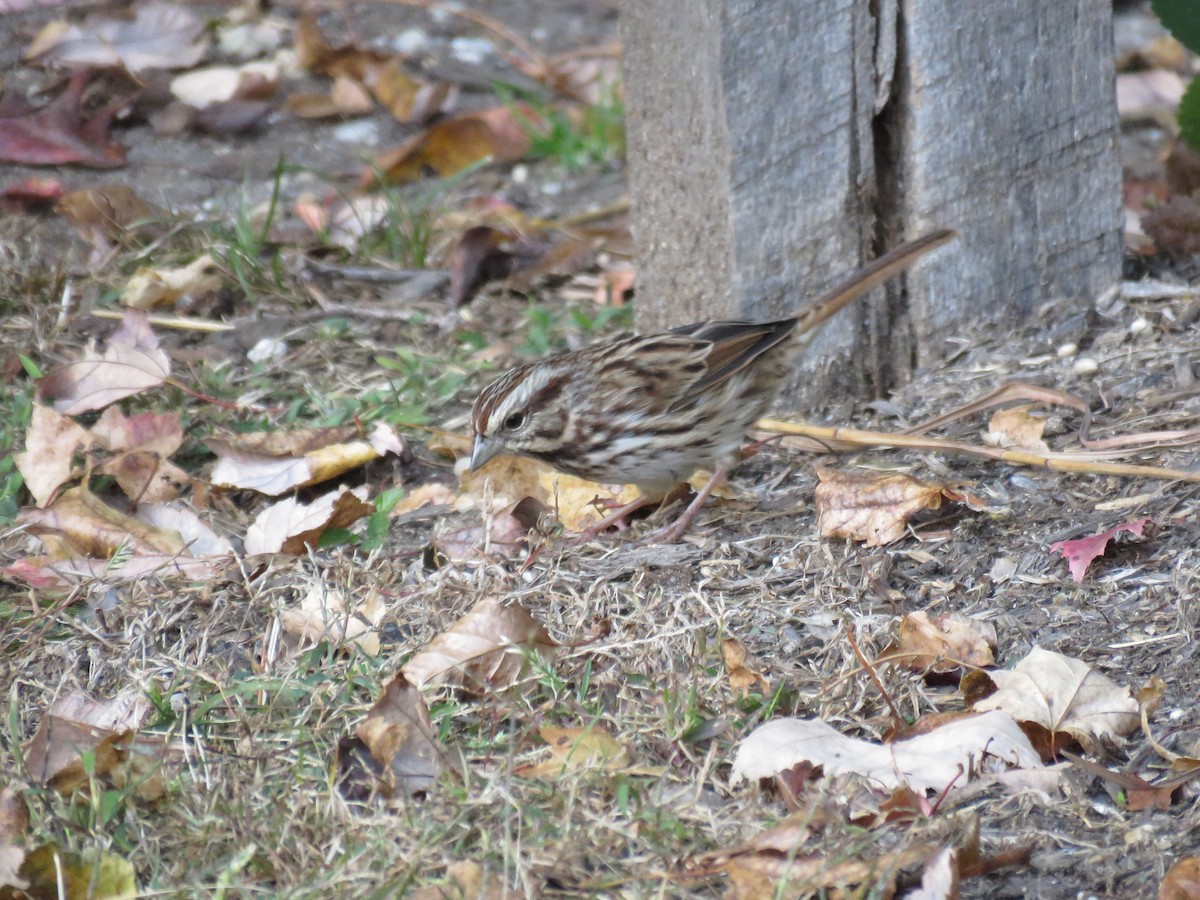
252	807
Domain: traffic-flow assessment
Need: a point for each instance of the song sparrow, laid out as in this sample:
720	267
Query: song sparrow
651	410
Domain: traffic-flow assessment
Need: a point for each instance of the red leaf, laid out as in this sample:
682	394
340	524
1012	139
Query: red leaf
61	131
1079	553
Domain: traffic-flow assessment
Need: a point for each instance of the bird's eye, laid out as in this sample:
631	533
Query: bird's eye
515	421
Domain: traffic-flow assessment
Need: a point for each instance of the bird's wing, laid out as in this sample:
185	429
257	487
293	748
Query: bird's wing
733	345
672	368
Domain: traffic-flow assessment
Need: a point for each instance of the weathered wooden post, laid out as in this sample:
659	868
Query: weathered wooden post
775	144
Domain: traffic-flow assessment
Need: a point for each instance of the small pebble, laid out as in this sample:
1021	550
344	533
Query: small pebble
472	51
1085	365
364	132
520	173
411	42
1140	325
1068	349
267	349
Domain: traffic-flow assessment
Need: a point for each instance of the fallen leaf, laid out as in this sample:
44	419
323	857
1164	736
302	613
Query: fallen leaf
1182	881
433	494
505	535
47	461
576	749
944	644
1136	793
409	99
497	135
293	527
33	195
405	756
159	433
47	574
273	462
199	540
951	755
1174	226
76	724
874	509
575	503
1015	427
222	84
1079	553
131	363
1141	93
487	649
939	879
150	287
323	615
63	131
1062	696
94	529
103	216
480	255
744	671
158	36
54	872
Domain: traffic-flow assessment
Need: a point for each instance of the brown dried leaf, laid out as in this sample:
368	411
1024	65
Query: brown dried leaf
14	822
401	740
480	255
498	135
1182	881
75	724
103	215
131	363
571	499
1015	427
1063	696
945	644
409	99
575	749
487	649
323	615
48	458
145	477
745	672
1175	225
164	287
96	530
506	535
874	509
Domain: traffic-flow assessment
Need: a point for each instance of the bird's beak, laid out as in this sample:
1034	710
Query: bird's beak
485	449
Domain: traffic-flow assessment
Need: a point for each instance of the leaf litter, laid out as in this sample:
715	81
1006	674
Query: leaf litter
640	653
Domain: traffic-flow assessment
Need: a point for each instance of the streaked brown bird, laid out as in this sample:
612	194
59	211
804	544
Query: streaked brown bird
651	410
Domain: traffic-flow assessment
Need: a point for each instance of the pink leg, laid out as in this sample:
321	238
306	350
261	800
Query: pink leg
616	517
673	532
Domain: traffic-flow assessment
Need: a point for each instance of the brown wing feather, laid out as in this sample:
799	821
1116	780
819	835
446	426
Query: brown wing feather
733	345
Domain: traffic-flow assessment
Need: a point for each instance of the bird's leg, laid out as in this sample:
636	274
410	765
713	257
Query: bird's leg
673	532
620	511
617	517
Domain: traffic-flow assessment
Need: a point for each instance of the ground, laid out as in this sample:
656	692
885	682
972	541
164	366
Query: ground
251	806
